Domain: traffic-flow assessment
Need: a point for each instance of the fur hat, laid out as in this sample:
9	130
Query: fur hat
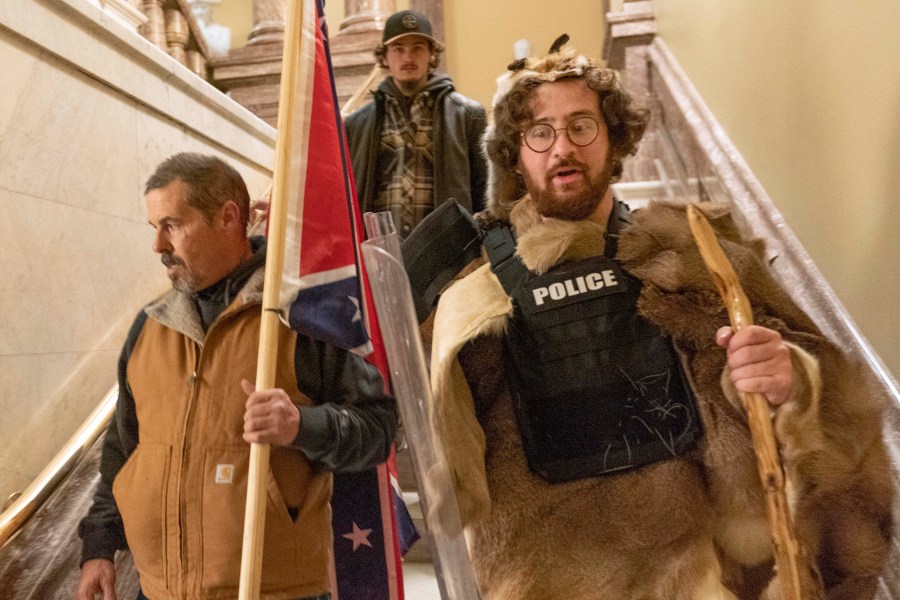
505	184
559	63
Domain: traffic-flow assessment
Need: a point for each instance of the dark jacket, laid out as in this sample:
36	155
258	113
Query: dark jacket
174	464
460	170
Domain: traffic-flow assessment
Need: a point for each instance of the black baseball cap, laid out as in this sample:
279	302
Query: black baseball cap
408	22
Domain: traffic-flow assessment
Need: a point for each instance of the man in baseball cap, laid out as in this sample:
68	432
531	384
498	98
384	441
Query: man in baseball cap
418	144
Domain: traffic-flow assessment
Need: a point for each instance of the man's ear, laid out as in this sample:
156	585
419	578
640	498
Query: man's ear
231	215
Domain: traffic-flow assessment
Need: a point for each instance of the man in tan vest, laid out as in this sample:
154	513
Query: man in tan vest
175	458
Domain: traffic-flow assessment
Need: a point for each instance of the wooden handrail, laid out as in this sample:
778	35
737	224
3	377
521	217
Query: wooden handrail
12	519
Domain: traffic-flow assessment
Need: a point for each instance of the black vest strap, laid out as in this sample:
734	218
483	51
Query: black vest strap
500	246
618	220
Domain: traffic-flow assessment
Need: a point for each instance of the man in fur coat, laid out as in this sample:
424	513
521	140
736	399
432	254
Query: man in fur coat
586	382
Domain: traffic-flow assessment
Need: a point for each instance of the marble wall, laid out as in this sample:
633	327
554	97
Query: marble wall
87	109
809	92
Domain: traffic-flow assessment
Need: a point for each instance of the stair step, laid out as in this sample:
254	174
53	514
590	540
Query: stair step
406	475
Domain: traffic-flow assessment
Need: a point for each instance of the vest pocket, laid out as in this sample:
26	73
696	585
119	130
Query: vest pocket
225	474
140	492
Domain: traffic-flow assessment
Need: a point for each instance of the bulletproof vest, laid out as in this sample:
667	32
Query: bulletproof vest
596	387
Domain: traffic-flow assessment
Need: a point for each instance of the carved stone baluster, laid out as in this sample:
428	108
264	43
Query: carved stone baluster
155	27
177	34
196	63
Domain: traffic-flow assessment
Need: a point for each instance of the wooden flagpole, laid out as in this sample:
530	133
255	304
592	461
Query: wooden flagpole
796	579
254	515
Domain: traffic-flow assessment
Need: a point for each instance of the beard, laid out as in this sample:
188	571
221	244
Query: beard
549	202
183	283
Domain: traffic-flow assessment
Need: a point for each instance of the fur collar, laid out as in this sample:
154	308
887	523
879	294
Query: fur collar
544	242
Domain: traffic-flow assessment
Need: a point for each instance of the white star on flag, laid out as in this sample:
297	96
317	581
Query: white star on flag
358	314
358	537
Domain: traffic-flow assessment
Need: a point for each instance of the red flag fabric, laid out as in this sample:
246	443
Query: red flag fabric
324	294
320	289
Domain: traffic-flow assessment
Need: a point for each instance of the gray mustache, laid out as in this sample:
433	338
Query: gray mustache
169	260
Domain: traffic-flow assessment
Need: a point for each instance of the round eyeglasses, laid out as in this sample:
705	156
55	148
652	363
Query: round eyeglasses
581	132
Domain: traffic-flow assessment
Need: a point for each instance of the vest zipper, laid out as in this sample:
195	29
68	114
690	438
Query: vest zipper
182	504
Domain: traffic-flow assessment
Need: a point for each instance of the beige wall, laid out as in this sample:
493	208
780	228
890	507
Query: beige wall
809	92
238	15
479	33
88	109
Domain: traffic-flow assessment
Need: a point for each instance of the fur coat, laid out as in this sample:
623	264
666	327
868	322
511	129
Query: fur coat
692	527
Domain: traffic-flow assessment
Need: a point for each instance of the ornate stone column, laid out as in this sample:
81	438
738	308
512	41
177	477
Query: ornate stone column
268	22
251	74
434	10
365	16
352	46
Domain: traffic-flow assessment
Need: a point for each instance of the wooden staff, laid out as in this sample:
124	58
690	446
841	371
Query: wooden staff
794	575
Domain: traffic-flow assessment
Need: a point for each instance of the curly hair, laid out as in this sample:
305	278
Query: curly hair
512	115
381	51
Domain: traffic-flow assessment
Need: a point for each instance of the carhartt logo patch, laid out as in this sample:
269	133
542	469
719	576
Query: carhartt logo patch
224	473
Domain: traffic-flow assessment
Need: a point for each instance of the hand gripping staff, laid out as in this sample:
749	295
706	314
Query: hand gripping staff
796	579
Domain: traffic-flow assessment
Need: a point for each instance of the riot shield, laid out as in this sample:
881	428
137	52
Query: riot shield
409	376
